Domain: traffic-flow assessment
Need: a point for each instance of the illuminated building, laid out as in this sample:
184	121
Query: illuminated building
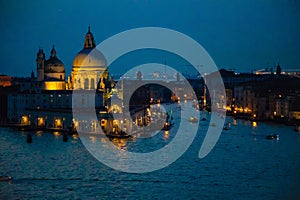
5	80
89	70
46	100
50	72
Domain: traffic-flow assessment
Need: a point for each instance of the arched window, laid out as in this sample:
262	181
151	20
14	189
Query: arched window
92	83
86	83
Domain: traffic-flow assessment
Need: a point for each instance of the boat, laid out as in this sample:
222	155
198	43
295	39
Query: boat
168	123
213	124
5	178
29	138
65	137
272	137
120	134
227	126
193	119
166	127
179	107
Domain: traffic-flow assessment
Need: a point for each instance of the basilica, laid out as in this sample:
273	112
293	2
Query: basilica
89	69
45	100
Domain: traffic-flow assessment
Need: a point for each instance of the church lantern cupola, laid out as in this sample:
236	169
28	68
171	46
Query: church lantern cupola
89	41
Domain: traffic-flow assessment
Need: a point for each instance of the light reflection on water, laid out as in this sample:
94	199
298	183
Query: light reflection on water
242	165
166	135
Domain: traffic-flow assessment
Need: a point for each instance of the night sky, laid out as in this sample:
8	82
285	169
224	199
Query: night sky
245	35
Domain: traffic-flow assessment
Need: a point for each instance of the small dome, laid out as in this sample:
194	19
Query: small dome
90	58
53	64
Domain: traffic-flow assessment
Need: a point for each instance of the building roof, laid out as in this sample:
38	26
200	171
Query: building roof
53	64
89	58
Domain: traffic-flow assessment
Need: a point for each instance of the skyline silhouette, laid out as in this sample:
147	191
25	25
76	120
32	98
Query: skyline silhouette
245	36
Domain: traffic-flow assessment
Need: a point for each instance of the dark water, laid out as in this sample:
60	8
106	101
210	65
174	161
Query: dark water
243	165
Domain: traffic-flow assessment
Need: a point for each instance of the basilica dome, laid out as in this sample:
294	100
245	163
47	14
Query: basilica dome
89	58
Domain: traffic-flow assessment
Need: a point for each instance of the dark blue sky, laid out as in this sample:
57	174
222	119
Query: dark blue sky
245	35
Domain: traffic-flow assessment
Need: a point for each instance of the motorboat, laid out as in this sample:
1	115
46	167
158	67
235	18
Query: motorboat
227	126
272	137
166	127
5	178
193	119
168	123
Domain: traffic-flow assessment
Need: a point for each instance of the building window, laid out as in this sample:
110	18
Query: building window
86	83
92	83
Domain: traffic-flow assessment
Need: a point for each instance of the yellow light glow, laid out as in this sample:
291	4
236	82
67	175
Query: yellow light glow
56	134
166	135
24	119
41	121
93	139
58	123
39	133
235	122
254	124
75	136
53	85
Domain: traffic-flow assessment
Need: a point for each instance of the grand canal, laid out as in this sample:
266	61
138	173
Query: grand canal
242	165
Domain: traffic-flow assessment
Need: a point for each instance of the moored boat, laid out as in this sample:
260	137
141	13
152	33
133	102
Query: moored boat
65	137
5	178
29	138
121	134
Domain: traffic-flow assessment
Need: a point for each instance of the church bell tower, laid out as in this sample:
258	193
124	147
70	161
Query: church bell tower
40	64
